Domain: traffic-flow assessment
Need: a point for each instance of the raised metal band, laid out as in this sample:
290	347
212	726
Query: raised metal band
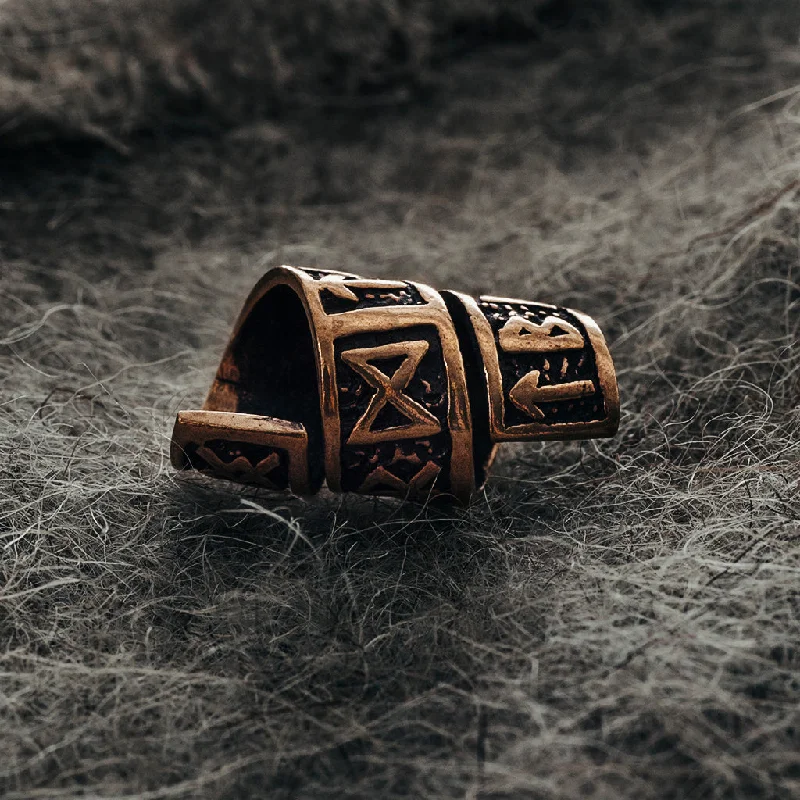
548	371
388	387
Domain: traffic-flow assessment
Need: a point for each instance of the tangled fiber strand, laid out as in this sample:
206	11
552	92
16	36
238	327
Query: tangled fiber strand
611	619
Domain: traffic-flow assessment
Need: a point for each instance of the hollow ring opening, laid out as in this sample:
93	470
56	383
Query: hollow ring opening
274	353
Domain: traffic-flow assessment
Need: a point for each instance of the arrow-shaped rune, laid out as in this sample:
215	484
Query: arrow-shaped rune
526	393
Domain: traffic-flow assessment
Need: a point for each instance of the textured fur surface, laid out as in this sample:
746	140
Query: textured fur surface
609	619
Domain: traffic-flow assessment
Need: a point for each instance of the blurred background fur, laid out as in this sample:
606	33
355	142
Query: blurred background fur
609	619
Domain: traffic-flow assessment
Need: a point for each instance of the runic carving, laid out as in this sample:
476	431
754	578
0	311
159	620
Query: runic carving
338	289
240	468
342	286
526	393
389	389
381	477
520	335
339	294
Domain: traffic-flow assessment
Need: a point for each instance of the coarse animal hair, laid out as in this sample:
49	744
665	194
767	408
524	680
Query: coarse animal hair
613	618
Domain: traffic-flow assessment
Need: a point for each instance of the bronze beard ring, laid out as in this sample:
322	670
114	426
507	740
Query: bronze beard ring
390	387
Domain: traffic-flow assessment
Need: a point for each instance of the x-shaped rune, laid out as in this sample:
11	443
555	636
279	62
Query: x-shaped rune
389	389
240	468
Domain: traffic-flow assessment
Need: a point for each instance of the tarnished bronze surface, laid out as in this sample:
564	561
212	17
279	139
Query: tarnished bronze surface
389	387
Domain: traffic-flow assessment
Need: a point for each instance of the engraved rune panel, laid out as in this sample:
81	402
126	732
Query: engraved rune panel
393	411
244	462
546	362
339	295
403	360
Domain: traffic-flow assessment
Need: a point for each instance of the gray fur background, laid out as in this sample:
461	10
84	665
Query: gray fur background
609	619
